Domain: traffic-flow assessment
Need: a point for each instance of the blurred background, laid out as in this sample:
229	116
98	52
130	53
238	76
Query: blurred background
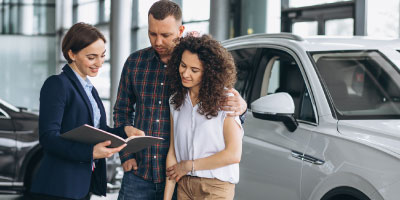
31	32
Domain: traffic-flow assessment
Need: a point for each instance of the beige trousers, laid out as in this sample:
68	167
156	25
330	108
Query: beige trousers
191	187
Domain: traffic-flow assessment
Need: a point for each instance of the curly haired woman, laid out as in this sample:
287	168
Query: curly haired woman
206	144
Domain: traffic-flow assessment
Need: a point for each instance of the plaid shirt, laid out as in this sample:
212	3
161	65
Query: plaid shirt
143	99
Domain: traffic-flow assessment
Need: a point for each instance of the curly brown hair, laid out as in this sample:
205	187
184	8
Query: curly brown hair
219	73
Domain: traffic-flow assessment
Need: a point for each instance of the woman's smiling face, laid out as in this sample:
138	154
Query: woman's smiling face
88	61
191	70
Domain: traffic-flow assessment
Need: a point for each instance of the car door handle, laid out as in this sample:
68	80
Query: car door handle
307	158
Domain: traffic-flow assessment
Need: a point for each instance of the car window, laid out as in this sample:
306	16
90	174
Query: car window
3	114
244	61
361	84
279	72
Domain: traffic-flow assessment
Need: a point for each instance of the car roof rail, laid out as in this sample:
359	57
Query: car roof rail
282	35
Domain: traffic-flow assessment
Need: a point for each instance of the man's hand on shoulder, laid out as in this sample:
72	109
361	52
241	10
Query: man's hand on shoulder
234	103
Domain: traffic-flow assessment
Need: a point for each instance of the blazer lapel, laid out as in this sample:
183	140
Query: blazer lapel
75	82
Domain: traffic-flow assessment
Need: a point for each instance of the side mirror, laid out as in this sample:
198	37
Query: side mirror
276	107
21	109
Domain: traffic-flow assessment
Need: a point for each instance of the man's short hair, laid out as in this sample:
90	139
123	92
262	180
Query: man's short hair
164	8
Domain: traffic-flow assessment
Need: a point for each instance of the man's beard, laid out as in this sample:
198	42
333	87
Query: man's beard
166	53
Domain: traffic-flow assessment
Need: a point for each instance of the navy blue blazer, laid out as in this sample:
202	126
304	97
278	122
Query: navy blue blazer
66	167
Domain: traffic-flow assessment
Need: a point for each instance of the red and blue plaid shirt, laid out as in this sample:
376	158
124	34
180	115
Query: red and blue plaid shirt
143	101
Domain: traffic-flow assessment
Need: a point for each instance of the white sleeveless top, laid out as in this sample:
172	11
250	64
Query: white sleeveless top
195	137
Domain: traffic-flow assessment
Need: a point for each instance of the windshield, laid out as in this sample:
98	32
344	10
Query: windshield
361	84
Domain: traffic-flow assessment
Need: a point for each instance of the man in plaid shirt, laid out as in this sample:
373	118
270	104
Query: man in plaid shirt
143	99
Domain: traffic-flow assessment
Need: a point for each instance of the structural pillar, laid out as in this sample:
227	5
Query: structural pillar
120	29
219	19
63	23
135	25
360	17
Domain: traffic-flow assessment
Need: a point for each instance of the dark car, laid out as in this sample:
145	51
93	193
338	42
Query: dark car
21	153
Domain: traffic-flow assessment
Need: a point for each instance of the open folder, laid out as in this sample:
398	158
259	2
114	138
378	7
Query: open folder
91	135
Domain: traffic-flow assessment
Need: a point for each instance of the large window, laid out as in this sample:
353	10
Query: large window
26	61
92	11
327	17
302	3
383	18
27	38
342	27
196	15
342	17
305	28
86	11
27	17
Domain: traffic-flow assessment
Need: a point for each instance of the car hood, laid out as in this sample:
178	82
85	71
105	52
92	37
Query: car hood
380	133
24	115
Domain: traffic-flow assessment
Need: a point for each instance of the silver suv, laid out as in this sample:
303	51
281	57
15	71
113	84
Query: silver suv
324	117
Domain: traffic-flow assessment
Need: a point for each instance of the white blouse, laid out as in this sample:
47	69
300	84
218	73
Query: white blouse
196	137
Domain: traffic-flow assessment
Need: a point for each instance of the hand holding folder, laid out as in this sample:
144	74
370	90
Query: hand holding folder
91	135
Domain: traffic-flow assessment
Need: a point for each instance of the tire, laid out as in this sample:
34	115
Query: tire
345	193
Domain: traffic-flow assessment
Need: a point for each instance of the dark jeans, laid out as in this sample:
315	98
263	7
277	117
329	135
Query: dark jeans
135	188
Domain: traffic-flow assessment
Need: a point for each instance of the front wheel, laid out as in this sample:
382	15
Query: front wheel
345	193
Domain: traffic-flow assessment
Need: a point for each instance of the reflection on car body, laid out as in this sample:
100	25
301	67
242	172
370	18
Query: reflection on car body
324	117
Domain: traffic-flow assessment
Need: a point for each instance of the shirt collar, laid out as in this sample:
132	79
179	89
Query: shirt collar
189	101
84	83
154	55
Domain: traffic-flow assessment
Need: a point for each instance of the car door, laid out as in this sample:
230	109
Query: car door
272	156
7	148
